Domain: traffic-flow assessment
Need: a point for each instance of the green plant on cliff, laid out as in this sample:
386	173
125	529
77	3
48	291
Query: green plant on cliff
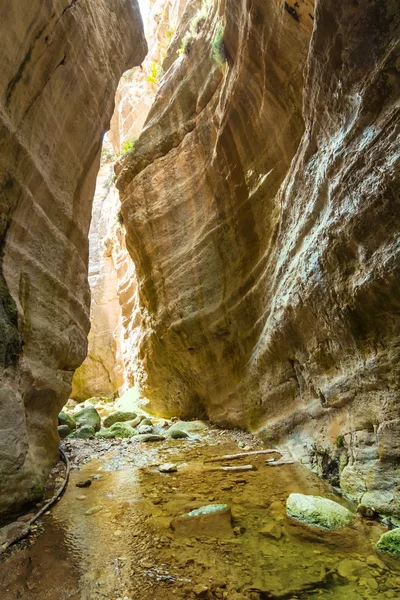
120	218
128	146
196	25
156	72
218	47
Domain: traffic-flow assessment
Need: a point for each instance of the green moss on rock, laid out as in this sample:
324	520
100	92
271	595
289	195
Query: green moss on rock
318	511
64	419
389	542
88	417
118	417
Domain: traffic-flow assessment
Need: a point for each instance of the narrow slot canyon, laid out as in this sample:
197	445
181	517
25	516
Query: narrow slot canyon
199	300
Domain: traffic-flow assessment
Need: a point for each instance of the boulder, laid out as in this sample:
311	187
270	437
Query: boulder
88	417
176	434
63	431
145	429
318	511
64	419
210	520
86	432
117	430
389	542
118	417
189	426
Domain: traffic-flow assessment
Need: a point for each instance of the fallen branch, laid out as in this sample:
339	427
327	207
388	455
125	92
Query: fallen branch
232	469
277	463
242	455
23	529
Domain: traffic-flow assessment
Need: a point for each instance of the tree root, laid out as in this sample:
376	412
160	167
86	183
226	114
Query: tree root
242	455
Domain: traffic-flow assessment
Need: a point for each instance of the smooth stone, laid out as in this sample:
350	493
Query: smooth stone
348	567
117	430
189	426
63	431
64	419
93	510
177	434
209	520
168	468
85	432
318	511
84	484
88	417
145	429
118	417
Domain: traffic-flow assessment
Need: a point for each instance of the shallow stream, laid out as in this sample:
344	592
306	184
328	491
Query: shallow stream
114	540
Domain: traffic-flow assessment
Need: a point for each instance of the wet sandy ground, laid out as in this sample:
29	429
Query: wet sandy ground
113	539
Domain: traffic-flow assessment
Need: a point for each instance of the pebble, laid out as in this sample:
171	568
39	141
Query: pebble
200	590
93	510
84	484
168	468
81	497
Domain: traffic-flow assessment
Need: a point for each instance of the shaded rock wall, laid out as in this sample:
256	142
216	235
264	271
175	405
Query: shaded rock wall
61	62
262	214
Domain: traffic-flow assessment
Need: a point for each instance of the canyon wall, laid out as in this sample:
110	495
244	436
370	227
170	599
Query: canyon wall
115	315
61	63
262	213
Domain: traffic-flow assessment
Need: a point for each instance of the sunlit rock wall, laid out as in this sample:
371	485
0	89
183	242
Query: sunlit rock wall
262	213
102	372
60	65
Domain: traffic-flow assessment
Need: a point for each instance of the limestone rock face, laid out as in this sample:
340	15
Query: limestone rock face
102	372
61	62
262	215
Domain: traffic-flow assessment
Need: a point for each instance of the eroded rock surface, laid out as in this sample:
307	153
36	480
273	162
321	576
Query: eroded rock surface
262	214
61	62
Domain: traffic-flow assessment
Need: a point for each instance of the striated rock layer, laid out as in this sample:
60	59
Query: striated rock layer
61	62
262	214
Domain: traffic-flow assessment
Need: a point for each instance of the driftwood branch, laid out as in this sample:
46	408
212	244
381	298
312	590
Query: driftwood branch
242	455
238	469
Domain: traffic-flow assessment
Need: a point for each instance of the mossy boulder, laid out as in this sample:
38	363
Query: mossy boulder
83	433
389	542
64	419
88	417
317	511
63	431
117	430
118	417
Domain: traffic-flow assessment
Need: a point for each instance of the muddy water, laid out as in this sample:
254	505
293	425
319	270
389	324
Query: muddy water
113	539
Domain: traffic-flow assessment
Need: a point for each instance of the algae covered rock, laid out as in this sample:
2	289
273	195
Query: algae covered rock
63	431
118	417
318	511
117	430
88	417
64	419
389	542
209	520
86	432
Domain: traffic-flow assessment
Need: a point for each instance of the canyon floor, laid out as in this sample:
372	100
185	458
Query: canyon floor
114	540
